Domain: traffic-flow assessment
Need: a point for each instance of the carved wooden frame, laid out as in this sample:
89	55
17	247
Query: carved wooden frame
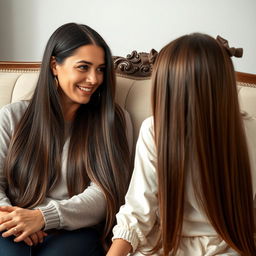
135	66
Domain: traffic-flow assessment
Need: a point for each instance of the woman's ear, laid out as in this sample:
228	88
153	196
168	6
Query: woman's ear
53	66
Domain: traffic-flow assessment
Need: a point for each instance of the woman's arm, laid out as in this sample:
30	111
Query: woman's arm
20	222
5	137
9	117
83	210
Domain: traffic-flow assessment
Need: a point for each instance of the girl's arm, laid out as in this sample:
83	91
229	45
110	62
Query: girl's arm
119	247
137	218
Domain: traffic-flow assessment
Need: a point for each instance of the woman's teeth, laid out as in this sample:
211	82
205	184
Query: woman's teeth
85	89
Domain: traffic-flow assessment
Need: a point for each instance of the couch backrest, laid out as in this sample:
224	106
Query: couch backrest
18	80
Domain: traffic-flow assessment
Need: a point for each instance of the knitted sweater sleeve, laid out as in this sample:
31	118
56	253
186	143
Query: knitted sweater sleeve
83	210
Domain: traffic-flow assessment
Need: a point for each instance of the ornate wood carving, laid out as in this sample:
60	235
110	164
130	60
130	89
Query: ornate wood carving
135	64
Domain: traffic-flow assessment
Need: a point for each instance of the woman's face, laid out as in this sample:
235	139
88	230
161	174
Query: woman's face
79	76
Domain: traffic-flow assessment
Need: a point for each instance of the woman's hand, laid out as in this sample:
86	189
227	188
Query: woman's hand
35	238
21	223
2	214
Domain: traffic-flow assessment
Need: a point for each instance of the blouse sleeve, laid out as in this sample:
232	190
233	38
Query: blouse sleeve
137	217
5	137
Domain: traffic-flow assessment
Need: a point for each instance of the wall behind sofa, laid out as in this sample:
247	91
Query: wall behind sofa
25	25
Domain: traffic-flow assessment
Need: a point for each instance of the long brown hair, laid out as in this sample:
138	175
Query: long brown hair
198	127
98	149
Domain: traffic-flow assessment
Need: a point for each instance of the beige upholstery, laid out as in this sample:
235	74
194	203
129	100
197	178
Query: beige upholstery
133	95
133	92
247	99
16	86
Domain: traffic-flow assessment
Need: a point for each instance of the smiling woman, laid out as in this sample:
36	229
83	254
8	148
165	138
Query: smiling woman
79	76
61	152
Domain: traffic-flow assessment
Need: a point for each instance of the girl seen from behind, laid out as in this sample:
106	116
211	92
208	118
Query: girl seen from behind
64	156
194	179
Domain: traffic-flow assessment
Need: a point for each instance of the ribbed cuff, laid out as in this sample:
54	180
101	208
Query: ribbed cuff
126	234
51	216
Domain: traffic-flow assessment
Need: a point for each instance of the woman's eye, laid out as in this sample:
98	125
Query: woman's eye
101	69
83	67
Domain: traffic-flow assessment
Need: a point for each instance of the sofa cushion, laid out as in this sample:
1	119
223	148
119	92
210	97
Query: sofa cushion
7	83
24	86
135	97
247	99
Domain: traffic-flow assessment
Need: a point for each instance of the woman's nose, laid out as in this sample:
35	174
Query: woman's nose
92	77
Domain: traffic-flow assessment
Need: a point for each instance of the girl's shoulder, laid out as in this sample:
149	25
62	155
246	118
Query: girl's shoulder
146	134
148	123
147	126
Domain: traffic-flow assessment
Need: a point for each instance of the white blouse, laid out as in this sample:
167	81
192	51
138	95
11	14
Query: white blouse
137	220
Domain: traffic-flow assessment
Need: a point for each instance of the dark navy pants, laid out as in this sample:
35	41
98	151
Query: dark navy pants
81	242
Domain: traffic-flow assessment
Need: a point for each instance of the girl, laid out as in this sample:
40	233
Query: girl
193	185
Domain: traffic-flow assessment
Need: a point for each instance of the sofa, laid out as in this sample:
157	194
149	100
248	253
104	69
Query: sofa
133	72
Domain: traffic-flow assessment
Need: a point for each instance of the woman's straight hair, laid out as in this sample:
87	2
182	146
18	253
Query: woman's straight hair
98	149
199	128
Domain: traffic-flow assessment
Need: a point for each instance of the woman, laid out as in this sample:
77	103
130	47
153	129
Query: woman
64	156
193	185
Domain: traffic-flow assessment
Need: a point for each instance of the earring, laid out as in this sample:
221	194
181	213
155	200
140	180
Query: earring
56	81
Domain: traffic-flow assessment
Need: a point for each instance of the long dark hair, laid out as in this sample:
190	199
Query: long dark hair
198	128
98	149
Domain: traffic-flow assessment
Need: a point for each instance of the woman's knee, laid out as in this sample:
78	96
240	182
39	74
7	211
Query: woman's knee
9	248
84	242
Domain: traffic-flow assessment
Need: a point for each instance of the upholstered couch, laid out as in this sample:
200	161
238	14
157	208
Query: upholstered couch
18	79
